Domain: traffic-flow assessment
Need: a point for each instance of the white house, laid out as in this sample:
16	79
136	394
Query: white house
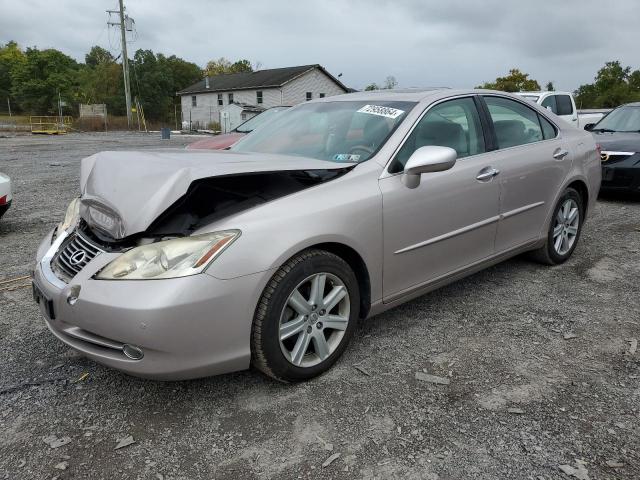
202	102
236	114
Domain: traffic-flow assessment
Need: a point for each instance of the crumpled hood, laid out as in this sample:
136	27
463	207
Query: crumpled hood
618	141
124	192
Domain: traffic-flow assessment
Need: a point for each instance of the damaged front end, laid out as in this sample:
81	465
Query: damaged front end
211	199
99	227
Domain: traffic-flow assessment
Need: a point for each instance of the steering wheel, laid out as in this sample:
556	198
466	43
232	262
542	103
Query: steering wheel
361	148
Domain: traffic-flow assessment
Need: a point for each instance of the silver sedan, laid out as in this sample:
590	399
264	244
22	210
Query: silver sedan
178	264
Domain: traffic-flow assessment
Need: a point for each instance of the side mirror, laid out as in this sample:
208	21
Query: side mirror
589	126
426	160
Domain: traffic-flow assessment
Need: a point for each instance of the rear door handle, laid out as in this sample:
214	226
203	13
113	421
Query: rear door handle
487	173
560	154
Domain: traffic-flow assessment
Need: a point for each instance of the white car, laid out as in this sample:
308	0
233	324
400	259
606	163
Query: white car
5	193
564	106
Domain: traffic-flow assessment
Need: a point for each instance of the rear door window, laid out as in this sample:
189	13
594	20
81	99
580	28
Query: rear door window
550	103
565	107
514	123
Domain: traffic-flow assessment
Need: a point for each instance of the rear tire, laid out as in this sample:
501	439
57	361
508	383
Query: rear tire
564	230
306	316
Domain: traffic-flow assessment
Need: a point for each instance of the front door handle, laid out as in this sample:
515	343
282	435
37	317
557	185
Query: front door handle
560	154
487	173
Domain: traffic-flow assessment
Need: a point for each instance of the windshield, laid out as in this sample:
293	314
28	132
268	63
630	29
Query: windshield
254	122
623	119
338	131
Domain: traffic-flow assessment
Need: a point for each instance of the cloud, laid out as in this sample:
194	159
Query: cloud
421	42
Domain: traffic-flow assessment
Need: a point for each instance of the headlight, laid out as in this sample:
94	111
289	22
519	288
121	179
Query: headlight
71	217
179	257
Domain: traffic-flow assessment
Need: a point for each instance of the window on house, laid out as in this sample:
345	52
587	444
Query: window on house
309	96
258	97
194	101
220	100
230	98
321	95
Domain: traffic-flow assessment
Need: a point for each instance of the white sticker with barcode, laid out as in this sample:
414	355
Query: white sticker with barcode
381	111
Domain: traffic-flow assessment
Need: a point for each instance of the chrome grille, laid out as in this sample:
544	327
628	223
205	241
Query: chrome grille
73	256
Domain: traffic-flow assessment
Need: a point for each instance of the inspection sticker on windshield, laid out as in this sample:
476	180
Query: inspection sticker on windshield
381	111
346	157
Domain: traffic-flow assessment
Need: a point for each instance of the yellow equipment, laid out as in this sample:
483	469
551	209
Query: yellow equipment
50	125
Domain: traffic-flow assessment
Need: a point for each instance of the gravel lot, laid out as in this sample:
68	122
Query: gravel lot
543	383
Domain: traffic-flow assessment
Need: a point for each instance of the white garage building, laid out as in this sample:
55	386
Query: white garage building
203	102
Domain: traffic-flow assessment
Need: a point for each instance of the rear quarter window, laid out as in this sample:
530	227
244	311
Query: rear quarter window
549	131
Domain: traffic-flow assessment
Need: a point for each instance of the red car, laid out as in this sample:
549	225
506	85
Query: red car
220	142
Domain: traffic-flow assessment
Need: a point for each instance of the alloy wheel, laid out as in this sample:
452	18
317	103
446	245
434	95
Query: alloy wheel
314	319
565	228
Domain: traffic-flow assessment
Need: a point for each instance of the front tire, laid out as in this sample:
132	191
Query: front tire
564	229
306	316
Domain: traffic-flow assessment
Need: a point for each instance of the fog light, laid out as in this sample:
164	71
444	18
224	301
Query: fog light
132	352
74	293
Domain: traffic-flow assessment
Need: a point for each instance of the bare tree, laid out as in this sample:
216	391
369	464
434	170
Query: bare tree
390	83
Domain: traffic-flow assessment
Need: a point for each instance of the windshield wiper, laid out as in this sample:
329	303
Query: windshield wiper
629	131
604	130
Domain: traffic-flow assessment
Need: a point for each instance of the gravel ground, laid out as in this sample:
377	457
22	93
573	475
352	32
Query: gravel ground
542	383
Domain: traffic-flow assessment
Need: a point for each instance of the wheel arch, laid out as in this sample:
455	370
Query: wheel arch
581	187
357	264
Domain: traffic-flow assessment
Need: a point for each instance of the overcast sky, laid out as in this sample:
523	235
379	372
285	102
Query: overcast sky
421	42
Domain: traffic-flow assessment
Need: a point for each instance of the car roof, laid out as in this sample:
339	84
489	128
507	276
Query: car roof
408	95
542	92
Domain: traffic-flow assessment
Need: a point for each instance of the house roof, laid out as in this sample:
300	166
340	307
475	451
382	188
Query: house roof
271	78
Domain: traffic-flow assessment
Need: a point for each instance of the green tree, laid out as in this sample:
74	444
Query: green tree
37	81
371	87
97	56
103	83
222	66
10	58
550	87
243	65
613	85
515	81
156	79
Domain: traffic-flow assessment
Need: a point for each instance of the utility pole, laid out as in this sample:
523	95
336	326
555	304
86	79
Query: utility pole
125	58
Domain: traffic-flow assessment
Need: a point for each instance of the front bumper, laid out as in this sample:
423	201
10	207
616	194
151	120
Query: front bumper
621	173
186	327
4	207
